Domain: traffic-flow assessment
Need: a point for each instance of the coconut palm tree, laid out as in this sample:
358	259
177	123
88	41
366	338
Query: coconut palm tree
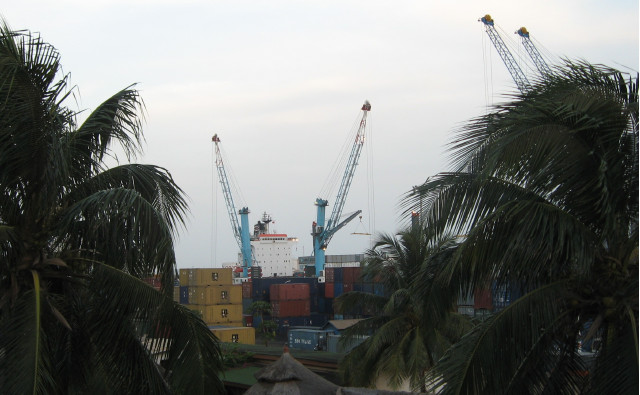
545	188
77	236
412	324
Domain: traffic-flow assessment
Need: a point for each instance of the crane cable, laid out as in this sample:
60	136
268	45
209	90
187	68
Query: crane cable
336	172
371	204
488	70
214	209
337	169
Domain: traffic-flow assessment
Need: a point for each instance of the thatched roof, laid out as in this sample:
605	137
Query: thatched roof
342	324
288	376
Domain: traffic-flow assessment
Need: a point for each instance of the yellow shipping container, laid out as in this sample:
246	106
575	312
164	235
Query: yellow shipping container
201	276
205	276
183	276
240	334
219	314
215	294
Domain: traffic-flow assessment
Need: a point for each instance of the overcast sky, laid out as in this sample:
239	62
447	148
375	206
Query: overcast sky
282	82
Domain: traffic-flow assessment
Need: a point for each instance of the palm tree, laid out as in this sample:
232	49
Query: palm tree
545	188
412	324
266	327
75	239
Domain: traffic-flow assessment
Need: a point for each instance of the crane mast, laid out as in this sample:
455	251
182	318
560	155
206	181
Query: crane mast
516	72
533	52
240	231
322	233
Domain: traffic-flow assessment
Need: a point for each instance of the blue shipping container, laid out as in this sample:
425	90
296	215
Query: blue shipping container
337	275
307	339
184	294
338	289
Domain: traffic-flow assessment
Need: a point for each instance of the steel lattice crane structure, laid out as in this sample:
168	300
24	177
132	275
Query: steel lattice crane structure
514	69
240	231
322	233
533	52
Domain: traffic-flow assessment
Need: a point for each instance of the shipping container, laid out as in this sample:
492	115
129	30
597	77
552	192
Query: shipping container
313	303
466	310
247	287
329	274
351	274
307	339
334	343
378	289
241	334
482	299
206	276
153	281
338	289
338	275
502	296
246	305
290	291
344	260
347	287
261	286
367	287
247	319
219	314
329	290
184	294
215	294
312	321
291	308
183	277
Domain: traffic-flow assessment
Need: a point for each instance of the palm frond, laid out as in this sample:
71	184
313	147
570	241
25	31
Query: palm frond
501	351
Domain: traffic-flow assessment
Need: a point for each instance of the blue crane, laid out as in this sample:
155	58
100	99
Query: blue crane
533	52
516	72
240	231
322	233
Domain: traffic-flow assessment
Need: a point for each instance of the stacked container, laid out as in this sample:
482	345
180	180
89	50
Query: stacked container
212	293
290	300
234	335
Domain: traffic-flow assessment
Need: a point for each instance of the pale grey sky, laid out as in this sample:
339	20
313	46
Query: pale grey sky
281	82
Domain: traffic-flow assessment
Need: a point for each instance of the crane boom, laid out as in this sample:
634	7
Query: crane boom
533	52
350	168
322	234
240	233
516	72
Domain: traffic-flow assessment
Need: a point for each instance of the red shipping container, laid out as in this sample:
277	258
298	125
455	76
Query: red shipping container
350	274
247	289
328	290
329	274
482	299
153	281
347	287
291	291
291	308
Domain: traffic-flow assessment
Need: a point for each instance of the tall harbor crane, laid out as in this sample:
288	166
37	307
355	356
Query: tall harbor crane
533	52
514	69
240	231
322	233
